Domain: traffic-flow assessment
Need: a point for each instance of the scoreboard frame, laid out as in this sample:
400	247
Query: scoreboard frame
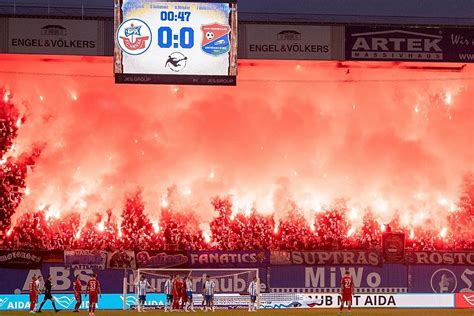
178	79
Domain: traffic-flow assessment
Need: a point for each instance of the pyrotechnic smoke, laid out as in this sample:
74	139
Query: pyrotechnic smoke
384	137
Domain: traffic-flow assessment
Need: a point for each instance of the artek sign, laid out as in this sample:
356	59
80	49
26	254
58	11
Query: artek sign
409	44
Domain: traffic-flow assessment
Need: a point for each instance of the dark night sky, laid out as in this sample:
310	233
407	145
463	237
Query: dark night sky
417	11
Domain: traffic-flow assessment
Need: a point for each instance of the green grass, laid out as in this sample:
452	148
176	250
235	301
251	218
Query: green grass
275	312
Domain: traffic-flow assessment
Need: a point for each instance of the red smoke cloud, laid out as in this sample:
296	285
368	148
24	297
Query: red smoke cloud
394	138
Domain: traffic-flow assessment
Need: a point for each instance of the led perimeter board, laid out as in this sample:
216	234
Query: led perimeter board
171	42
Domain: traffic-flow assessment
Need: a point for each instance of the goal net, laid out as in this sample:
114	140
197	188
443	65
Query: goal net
231	287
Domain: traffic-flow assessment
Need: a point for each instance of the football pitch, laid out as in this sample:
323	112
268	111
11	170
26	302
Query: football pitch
275	312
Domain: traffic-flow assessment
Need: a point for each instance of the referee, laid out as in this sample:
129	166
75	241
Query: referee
48	286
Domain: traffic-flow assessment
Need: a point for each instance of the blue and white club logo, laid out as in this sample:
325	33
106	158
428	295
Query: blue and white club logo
3	301
444	281
134	37
131	300
64	301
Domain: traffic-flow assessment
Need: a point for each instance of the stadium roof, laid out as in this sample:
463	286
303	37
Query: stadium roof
444	12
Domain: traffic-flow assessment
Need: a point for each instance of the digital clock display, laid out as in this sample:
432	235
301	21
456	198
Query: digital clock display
176	42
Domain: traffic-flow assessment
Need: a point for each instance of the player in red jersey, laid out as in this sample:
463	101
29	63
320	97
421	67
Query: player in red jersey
184	297
177	287
33	294
77	294
347	289
93	288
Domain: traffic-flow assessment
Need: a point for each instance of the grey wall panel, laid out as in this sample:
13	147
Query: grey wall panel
3	35
109	37
337	41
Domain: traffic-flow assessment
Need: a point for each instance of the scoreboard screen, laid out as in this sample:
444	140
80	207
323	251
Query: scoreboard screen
175	42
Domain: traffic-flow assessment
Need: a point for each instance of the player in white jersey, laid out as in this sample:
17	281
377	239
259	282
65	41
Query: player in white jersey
169	294
209	286
188	283
142	285
253	292
38	284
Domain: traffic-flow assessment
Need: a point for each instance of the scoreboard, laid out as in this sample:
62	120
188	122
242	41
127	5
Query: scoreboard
171	42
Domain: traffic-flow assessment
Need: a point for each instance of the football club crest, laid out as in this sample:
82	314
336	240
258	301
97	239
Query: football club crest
215	39
134	37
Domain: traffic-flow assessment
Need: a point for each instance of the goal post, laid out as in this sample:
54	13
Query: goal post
231	284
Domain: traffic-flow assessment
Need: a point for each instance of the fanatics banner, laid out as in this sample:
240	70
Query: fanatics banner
19	259
228	259
161	259
309	258
85	259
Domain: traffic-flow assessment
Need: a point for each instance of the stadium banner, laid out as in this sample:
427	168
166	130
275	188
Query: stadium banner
16	281
393	247
309	258
286	41
52	256
19	259
367	279
396	43
441	257
67	301
85	259
228	259
233	301
54	37
464	300
161	259
319	300
121	259
441	279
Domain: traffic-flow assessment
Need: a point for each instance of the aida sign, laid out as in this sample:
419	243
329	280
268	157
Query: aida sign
409	44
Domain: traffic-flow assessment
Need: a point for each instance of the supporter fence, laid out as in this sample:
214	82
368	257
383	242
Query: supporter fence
384	285
298	272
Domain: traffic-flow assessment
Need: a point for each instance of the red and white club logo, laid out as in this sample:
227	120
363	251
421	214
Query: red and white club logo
134	37
469	299
465	300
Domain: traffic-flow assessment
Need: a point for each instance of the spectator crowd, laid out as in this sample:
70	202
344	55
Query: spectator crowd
330	230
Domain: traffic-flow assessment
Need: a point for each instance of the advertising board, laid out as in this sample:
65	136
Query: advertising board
232	301
399	43
285	41
54	37
387	278
441	279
